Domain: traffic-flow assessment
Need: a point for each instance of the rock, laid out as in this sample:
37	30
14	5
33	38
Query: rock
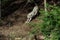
40	37
17	38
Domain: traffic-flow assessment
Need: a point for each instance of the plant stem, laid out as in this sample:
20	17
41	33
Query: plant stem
45	5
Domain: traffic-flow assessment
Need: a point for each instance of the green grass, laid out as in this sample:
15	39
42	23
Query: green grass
50	27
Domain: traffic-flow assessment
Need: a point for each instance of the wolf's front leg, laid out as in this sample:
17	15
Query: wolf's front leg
28	20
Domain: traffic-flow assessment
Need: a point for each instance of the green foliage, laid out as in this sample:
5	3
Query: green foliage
50	27
51	22
6	2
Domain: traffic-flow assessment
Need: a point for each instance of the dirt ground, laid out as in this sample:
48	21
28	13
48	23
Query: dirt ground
14	27
17	28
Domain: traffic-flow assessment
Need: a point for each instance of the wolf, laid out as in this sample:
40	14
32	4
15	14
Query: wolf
32	14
